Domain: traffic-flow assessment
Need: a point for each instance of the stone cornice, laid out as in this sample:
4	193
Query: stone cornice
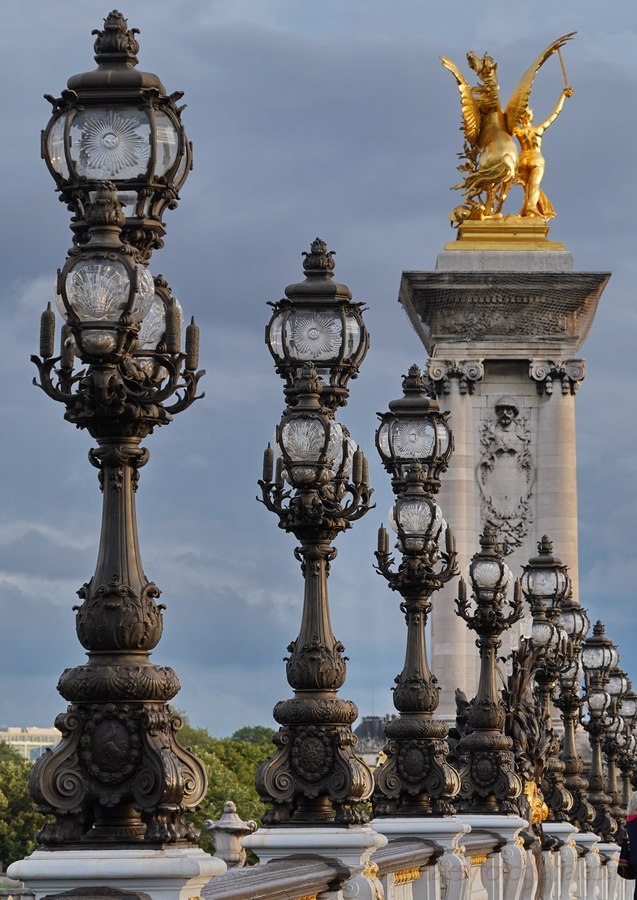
498	307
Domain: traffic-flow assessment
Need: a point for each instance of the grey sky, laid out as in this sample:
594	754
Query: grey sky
332	119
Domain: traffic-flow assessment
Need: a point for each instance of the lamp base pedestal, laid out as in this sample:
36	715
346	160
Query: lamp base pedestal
173	874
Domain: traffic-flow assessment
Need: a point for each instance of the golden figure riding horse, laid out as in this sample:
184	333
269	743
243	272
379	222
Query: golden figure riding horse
491	153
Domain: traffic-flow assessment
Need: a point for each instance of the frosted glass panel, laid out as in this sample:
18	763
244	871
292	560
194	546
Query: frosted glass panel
313	335
111	143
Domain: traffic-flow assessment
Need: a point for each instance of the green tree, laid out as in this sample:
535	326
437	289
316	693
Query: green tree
231	765
19	822
253	734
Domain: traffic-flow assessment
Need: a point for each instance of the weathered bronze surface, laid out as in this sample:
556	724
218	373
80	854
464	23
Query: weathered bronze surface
488	781
317	488
415	778
118	777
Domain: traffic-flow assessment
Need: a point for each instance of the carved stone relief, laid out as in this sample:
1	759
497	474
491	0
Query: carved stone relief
569	373
506	473
467	371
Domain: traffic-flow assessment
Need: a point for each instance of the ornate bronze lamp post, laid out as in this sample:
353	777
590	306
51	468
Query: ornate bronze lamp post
489	783
317	487
415	444
546	585
118	777
628	744
569	700
599	656
617	687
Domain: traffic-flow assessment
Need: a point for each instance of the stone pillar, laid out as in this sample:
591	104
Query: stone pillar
455	381
502	328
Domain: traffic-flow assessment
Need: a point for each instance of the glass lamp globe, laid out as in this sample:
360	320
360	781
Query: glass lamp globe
599	654
574	621
545	578
99	291
312	448
598	700
106	127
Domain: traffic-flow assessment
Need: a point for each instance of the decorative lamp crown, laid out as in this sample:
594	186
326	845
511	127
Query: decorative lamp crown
117	124
317	322
414	430
488	573
545	579
599	654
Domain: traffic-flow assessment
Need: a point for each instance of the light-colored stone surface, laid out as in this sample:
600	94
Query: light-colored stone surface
504	261
163	874
519	318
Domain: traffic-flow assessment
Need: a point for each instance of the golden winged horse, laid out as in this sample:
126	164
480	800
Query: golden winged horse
491	152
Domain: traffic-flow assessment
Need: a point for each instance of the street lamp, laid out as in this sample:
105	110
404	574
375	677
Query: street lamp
628	743
118	777
617	686
415	779
489	783
546	585
318	322
117	124
599	656
414	428
569	700
317	485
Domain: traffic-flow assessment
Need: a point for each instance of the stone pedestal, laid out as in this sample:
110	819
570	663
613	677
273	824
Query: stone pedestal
561	863
159	874
502	330
453	867
353	847
510	874
587	870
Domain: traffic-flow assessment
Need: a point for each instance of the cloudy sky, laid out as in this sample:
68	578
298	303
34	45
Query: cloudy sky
333	119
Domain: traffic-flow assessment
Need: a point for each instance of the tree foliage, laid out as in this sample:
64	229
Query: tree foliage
254	734
19	822
231	764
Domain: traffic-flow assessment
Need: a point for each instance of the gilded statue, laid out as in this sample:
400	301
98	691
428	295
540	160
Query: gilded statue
492	160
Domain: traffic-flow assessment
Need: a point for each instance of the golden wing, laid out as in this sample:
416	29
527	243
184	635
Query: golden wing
468	106
520	97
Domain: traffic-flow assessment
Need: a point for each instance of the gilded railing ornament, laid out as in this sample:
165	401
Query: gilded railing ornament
492	161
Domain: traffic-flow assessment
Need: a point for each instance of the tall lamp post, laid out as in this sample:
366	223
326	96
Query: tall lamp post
599	656
546	585
617	687
317	487
628	744
489	783
569	700
118	782
415	444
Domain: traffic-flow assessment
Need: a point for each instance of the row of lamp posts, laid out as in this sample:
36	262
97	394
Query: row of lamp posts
316	482
119	155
